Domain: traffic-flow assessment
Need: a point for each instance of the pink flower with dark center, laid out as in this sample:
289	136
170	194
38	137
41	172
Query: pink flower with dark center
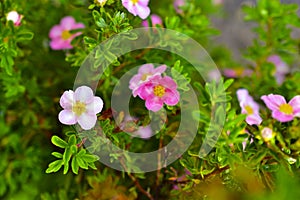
157	91
281	110
249	107
281	68
60	34
137	7
80	107
15	17
155	19
145	72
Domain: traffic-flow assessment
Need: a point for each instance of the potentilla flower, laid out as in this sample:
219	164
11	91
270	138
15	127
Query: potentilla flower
267	134
281	68
137	7
281	110
15	17
80	107
155	19
249	107
60	34
157	91
237	73
145	72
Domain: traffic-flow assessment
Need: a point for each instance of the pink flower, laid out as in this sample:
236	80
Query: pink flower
281	68
137	7
178	4
129	125
157	91
249	107
281	110
217	2
145	72
80	107
155	19
60	34
236	73
15	17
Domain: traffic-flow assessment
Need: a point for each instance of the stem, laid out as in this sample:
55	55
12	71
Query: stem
136	182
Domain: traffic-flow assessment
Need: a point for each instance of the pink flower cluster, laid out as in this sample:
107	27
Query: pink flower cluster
60	34
137	7
281	110
155	89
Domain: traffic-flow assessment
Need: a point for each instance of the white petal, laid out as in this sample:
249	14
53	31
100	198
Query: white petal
67	99
84	94
87	121
67	117
95	107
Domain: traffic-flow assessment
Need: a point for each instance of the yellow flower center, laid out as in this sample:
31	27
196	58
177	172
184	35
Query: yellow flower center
79	108
159	90
134	1
249	110
66	35
286	109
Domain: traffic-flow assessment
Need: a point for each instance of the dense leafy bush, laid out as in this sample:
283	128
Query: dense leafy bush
248	119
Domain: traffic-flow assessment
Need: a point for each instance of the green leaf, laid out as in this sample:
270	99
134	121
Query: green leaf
57	141
57	155
54	166
24	35
74	165
72	140
81	163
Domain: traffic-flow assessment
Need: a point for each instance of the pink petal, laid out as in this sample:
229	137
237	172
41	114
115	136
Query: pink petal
161	69
55	32
154	104
273	101
146	69
281	116
143	2
295	103
168	82
95	107
67	22
67	117
59	44
242	94
67	99
254	119
129	6
78	26
145	90
142	11
171	98
135	82
84	94
87	121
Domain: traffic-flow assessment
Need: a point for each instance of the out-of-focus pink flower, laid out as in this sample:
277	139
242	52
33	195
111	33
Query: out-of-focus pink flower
15	17
155	19
281	68
145	72
237	73
129	125
60	34
177	4
137	7
218	2
249	107
80	107
281	110
157	91
267	134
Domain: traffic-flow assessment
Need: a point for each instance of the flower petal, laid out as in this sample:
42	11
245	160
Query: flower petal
171	98
87	121
84	94
67	99
273	101
295	103
154	104
67	117
142	10
160	69
59	44
168	82
145	90
281	116
55	32
67	22
95	107
254	119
